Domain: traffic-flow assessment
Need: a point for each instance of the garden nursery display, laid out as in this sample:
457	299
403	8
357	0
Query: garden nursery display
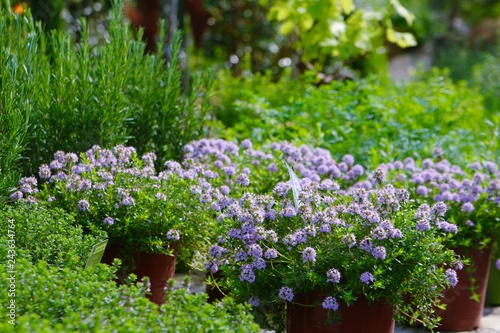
274	156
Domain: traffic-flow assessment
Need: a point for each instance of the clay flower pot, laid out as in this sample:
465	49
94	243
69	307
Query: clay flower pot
361	316
462	312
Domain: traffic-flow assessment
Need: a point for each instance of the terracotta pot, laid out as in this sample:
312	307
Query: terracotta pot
462	312
214	293
361	316
111	252
493	288
159	268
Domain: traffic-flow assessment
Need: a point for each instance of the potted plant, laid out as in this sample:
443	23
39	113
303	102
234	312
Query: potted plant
233	169
472	194
150	218
330	252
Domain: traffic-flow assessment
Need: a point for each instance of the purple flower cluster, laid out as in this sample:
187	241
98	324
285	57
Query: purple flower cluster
106	186
286	294
366	277
470	195
451	275
330	303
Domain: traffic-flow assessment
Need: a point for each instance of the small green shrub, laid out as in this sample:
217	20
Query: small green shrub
15	109
49	299
74	96
49	235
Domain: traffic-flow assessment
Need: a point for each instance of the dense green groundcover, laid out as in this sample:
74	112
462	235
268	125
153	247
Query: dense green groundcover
373	119
52	299
54	293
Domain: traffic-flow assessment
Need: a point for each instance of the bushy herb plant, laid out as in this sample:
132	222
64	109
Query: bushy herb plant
51	299
122	194
342	243
471	193
73	96
47	234
372	119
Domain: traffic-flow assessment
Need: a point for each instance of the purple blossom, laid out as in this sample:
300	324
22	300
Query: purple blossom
348	159
288	211
149	159
330	303
212	266
286	294
44	171
358	170
246	144
109	220
272	167
241	256
349	239
209	174
56	165
423	225
333	275
309	254
451	275
229	170
255	251
16	196
325	228
254	301
300	236
84	185
217	251
497	264
128	201
438	152
173	235
366	244
243	179
422	190
396	233
439	208
398	165
467	207
206	198
259	264
379	175
379	252
161	196
224	189
379	233
366	277
271	254
448	227
247	273
83	205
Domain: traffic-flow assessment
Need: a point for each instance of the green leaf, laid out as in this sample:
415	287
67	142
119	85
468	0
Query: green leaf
403	12
287	27
347	6
401	39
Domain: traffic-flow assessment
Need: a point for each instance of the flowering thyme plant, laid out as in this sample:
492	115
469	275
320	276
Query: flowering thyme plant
472	194
115	191
359	242
234	169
